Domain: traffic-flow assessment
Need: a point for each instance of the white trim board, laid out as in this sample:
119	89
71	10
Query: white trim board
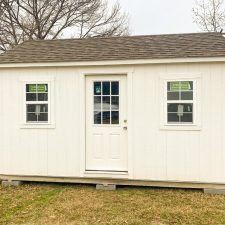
115	62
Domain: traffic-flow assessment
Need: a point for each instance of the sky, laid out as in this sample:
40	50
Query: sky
159	16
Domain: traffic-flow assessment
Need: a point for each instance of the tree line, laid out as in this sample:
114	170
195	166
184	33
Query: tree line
22	20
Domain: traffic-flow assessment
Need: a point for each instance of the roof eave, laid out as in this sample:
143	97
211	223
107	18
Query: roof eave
115	62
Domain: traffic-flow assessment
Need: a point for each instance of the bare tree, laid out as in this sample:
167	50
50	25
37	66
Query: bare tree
209	15
22	20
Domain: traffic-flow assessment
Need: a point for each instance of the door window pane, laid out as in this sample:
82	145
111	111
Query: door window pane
106	102
106	88
115	88
97	103
97	88
106	117
97	117
115	117
115	102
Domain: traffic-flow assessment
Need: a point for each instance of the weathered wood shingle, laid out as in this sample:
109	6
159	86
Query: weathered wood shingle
118	48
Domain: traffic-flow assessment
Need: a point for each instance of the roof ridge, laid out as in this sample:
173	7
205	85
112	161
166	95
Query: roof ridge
127	36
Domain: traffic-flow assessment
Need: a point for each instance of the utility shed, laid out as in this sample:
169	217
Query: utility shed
139	110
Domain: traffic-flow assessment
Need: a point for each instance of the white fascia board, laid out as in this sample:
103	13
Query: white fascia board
115	62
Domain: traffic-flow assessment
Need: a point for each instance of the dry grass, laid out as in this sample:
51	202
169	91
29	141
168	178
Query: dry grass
83	205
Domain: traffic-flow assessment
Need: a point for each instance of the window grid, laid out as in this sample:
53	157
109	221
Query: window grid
180	103
108	110
37	111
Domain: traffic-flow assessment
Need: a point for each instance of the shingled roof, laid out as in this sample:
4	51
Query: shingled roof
118	48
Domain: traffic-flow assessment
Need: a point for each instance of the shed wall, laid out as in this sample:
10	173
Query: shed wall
154	153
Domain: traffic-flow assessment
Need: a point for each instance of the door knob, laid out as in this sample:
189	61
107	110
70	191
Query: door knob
124	128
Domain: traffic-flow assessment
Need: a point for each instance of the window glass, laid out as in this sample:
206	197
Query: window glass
97	88
37	103
97	117
115	88
106	102
115	102
106	117
115	117
97	103
106	88
180	102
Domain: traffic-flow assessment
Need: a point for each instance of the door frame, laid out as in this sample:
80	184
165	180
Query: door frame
82	104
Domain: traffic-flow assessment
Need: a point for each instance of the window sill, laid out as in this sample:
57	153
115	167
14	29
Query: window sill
175	127
37	126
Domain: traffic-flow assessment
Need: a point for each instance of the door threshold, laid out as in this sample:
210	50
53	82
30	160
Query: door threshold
106	172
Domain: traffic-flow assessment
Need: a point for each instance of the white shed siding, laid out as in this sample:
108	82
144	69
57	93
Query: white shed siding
197	155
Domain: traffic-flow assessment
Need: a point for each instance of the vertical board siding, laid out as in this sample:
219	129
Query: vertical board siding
195	155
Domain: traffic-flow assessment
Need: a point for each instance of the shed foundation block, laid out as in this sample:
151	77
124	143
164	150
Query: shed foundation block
214	191
106	187
8	183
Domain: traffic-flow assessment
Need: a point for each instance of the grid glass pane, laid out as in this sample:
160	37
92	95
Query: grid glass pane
115	102
115	117
37	112
179	107
173	95
97	103
187	118
42	96
188	95
97	88
115	88
106	102
31	97
106	117
180	90
43	117
32	117
97	117
180	113
106	88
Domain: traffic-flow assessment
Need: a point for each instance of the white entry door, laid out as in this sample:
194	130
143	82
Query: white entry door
106	123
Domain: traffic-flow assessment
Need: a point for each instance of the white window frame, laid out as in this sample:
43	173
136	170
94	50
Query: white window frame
196	124
39	103
51	118
193	102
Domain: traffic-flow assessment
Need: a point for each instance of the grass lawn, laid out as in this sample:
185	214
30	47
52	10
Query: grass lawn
73	204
